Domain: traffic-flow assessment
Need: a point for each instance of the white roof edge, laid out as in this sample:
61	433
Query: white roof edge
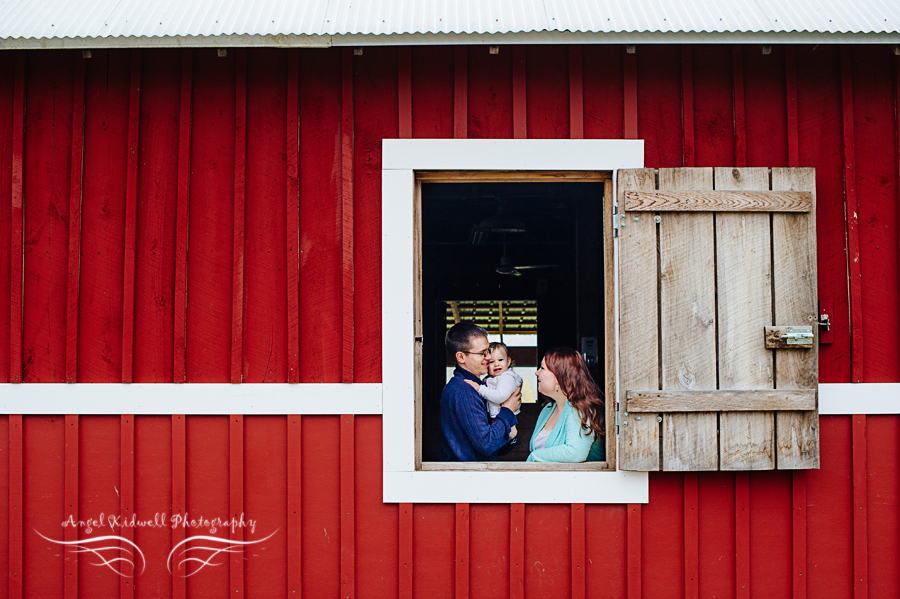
428	39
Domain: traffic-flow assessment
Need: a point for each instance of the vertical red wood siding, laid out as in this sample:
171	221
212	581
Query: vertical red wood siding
221	221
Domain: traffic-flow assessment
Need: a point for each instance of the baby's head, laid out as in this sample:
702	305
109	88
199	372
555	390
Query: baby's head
500	360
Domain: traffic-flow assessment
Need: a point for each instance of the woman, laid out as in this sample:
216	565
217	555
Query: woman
570	427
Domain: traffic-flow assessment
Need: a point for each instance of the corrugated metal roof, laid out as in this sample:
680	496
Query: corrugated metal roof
44	20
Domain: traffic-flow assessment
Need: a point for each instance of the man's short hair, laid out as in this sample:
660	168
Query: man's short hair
459	337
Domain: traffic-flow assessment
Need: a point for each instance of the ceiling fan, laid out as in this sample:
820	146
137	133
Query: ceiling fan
506	268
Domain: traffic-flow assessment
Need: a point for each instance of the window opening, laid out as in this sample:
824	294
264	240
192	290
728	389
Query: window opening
525	262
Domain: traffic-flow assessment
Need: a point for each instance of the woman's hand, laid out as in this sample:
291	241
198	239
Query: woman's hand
473	384
512	433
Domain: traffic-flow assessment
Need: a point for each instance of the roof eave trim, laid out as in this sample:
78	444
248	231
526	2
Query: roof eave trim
427	39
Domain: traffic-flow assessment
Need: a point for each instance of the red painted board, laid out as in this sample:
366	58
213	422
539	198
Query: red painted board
820	146
662	537
489	551
770	533
321	482
577	550
292	206
208	493
236	502
606	550
6	498
42	506
800	574
603	91
689	155
740	118
434	550
460	92
634	547
520	110
74	264
100	493
7	125
265	330
320	217
766	107
461	564
157	208
405	563
547	97
70	503
876	151
377	523
182	215
793	123
717	517
851	218
659	89
860	508
883	497
830	513
714	115
16	506
630	94
126	498
103	212
48	92
517	556
691	535
210	220
153	498
404	91
267	569
294	530
179	499
576	92
240	194
490	93
742	534
348	507
346	216
548	565
375	111
433	91
16	221
131	192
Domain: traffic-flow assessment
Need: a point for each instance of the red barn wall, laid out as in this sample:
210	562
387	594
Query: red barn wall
229	217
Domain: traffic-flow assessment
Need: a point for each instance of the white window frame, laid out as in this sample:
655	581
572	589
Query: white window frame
402	482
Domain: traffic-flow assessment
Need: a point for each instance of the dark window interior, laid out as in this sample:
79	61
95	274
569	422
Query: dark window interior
532	252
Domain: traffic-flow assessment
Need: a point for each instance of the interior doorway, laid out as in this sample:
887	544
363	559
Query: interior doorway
525	260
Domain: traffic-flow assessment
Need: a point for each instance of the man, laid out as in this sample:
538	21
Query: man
467	433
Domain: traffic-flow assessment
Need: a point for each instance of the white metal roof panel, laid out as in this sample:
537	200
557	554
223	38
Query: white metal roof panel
192	19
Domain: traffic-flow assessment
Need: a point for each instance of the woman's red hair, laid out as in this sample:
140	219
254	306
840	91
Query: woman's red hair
580	389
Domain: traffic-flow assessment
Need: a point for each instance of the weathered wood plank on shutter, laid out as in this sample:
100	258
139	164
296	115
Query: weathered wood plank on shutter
744	288
762	400
720	200
688	322
638	331
794	249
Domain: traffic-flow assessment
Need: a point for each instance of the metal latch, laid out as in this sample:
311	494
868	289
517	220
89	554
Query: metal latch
798	336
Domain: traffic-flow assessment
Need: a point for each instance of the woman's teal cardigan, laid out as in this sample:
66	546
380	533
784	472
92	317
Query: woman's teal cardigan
567	442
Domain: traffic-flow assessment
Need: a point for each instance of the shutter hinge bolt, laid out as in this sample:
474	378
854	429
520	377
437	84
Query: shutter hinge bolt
657	219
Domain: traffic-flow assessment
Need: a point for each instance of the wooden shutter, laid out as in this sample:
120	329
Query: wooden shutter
709	260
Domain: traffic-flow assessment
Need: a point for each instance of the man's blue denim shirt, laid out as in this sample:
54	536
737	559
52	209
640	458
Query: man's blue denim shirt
467	434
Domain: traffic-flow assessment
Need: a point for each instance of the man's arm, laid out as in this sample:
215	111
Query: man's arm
486	437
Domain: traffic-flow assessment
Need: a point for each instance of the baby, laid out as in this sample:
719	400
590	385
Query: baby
501	381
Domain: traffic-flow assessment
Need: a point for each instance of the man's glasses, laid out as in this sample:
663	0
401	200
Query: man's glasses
483	354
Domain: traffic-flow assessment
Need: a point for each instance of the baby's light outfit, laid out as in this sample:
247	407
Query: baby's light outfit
497	389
